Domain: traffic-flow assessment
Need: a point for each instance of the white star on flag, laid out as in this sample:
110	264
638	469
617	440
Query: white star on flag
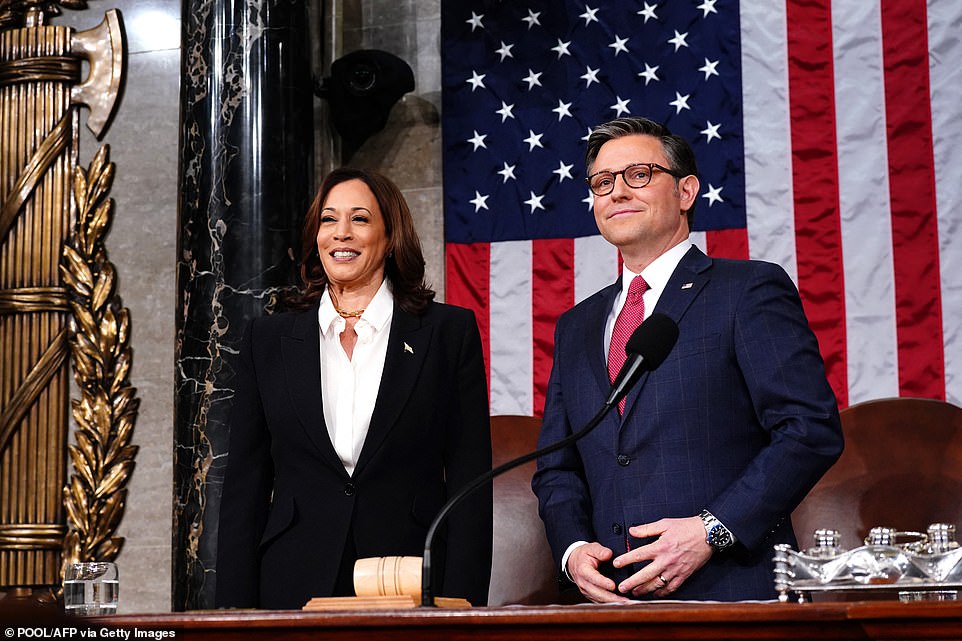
589	200
475	21
562	48
680	102
478	140
589	15
621	106
708	6
679	40
479	201
648	12
590	75
619	45
507	172
713	195
533	140
649	73
532	19
563	171
534	202
711	131
476	81
563	109
532	79
709	68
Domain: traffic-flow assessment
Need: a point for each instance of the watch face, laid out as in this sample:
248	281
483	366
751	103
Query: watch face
720	537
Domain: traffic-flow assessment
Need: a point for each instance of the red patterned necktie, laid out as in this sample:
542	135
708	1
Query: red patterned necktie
628	319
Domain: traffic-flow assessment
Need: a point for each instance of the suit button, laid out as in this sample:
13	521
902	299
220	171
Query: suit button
624	460
616	528
349	489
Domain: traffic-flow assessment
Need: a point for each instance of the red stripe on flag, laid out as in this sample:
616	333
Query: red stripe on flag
727	243
908	117
815	180
552	292
467	285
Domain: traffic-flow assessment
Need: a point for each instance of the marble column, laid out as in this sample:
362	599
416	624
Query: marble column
245	178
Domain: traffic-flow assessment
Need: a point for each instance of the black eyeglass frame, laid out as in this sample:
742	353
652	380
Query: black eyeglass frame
614	175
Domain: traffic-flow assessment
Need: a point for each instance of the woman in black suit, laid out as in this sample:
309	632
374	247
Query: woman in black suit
355	418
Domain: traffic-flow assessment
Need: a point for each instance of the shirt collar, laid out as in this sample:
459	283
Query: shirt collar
658	272
379	311
376	315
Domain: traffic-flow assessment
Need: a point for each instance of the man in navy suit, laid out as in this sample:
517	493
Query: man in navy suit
685	490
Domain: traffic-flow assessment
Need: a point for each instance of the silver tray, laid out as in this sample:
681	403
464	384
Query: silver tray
910	570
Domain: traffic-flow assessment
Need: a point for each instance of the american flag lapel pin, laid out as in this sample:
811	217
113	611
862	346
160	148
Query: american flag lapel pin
687	285
408	349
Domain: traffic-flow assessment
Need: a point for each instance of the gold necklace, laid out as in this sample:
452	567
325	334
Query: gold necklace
345	314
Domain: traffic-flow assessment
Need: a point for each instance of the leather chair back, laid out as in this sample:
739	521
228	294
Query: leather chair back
901	468
522	569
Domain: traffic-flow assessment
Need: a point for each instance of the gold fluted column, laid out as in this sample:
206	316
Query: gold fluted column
37	127
40	86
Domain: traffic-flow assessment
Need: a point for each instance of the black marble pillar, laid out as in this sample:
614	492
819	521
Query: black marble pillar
245	175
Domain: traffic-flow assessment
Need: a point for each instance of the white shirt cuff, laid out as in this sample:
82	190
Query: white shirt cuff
564	557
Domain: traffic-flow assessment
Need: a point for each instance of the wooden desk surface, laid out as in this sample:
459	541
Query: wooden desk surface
690	621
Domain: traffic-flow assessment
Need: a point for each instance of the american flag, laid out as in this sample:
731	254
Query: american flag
829	140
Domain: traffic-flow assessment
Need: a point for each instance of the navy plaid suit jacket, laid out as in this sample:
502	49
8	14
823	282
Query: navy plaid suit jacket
739	420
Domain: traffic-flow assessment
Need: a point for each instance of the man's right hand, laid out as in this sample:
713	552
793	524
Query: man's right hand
583	564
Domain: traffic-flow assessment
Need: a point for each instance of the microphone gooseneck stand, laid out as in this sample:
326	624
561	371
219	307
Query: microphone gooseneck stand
647	347
426	598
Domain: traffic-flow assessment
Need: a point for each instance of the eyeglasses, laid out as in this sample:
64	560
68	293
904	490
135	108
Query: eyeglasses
635	176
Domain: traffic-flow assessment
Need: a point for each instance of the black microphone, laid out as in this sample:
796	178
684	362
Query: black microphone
647	348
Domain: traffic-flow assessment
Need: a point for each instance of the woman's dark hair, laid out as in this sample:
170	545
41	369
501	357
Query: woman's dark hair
681	158
404	263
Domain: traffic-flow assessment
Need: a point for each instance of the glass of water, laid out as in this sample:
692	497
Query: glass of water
91	588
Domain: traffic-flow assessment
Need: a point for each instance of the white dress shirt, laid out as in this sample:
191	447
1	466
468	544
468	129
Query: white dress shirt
349	386
656	275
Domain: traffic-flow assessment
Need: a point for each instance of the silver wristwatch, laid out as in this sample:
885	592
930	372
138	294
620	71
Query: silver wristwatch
717	535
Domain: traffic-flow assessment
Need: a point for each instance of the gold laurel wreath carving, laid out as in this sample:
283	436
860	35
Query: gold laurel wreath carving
102	457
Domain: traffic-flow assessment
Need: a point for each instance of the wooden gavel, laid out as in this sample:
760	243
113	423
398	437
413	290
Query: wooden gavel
388	576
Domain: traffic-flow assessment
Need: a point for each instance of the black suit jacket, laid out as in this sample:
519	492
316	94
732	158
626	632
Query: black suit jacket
288	503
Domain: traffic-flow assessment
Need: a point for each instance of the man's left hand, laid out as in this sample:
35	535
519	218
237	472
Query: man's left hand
680	549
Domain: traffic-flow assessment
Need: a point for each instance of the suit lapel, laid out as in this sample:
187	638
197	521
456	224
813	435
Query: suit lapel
686	283
301	354
407	348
